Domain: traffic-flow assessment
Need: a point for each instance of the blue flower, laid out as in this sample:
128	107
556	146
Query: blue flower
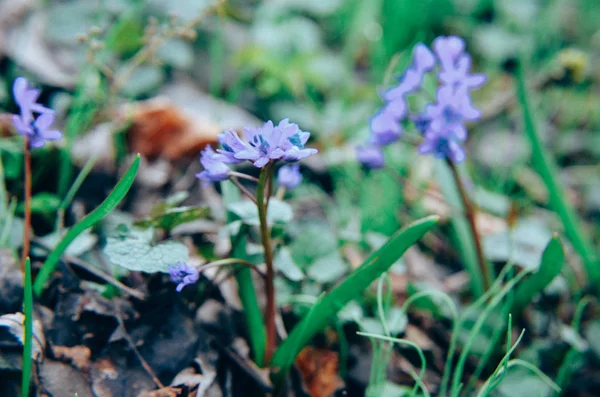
215	169
452	109
458	75
232	144
183	274
38	131
371	156
289	176
423	59
385	125
442	145
448	50
285	141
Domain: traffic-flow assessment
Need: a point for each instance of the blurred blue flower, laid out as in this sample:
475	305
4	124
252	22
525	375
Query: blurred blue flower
215	169
371	156
442	145
448	50
385	125
452	109
26	98
289	176
232	144
38	131
183	274
424	60
458	75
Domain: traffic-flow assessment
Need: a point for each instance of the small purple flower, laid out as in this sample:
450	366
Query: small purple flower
26	98
422	122
293	142
385	125
289	176
215	169
232	144
263	145
448	49
38	131
442	145
371	156
424	60
409	82
457	75
183	274
452	109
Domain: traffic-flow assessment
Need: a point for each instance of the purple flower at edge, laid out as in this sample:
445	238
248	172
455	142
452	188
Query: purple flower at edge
371	156
215	169
385	125
232	144
38	131
448	49
457	75
289	176
183	274
26	97
452	109
442	145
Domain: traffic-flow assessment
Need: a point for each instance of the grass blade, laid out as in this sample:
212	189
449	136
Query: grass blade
329	304
28	340
545	166
85	171
109	204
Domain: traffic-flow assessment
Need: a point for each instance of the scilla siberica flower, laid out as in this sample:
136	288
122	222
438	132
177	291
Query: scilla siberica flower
260	146
183	274
37	130
289	176
441	123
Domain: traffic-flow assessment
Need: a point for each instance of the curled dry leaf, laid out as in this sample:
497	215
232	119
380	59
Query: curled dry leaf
78	356
161	129
319	371
14	323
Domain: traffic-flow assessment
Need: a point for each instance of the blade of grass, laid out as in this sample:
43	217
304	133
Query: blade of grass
109	204
85	171
28	340
546	167
330	303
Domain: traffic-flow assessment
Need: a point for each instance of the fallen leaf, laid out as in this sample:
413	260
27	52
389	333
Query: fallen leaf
78	356
161	129
14	323
319	371
164	392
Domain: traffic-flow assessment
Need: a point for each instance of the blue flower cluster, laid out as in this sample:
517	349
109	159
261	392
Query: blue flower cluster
183	274
441	123
261	145
37	130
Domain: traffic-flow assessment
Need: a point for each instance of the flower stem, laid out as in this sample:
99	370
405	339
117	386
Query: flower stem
265	234
232	261
27	206
471	217
245	191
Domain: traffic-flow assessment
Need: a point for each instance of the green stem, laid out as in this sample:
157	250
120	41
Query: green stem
28	324
471	217
27	209
265	235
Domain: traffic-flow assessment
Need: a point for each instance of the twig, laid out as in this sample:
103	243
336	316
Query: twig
244	176
232	261
27	209
471	217
132	346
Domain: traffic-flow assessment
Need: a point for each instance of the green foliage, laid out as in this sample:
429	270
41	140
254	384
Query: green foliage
28	340
136	251
347	290
278	213
545	166
109	204
173	217
550	267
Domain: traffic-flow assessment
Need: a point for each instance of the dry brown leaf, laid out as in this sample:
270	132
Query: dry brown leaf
160	129
319	371
78	356
164	392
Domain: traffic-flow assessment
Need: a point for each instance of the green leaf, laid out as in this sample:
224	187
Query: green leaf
173	217
136	252
279	212
327	269
376	214
546	167
360	279
550	267
43	203
285	264
109	204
